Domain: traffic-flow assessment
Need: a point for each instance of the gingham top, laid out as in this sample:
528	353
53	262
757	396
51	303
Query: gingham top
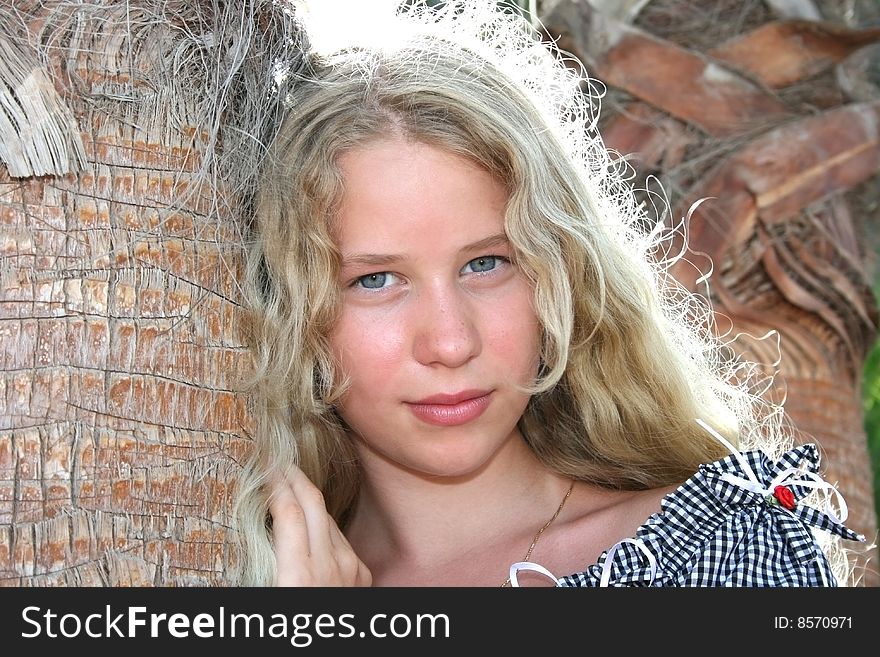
725	527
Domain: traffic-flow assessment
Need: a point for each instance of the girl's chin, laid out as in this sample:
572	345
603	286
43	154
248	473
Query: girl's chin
443	453
460	465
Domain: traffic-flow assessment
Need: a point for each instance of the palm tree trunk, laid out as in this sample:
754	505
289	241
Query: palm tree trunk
759	108
122	431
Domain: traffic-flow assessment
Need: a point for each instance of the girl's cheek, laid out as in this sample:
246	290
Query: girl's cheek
368	339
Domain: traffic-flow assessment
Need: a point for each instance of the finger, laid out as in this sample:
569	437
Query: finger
318	521
364	576
340	540
289	530
337	537
353	569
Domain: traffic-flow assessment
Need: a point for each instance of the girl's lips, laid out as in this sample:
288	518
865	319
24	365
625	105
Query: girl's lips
448	415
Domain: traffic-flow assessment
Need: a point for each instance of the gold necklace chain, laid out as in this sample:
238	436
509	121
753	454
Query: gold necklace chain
541	531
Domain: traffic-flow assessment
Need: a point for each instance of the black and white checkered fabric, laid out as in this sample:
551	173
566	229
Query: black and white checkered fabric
713	532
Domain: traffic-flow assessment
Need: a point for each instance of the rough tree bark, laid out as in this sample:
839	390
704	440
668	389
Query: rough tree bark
766	110
122	426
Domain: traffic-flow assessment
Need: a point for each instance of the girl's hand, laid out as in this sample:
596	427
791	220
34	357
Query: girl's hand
310	550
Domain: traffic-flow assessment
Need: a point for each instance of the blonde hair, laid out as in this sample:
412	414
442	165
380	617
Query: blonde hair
629	358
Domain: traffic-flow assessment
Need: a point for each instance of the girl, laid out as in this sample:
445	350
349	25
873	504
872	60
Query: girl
471	368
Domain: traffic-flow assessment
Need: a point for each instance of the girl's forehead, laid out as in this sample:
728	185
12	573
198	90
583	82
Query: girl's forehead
398	193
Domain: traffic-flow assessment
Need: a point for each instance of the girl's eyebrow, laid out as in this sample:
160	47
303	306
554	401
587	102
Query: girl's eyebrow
379	259
490	242
370	259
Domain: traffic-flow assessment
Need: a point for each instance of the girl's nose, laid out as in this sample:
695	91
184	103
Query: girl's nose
446	332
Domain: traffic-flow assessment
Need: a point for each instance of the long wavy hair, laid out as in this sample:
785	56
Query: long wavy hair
629	359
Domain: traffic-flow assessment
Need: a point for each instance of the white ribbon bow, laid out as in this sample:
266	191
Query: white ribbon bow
604	578
789	477
609	558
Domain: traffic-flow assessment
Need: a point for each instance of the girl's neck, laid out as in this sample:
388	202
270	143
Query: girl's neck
408	527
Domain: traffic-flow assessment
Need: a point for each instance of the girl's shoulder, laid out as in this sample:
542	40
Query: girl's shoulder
743	520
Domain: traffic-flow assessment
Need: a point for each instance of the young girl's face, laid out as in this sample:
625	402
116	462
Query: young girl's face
437	327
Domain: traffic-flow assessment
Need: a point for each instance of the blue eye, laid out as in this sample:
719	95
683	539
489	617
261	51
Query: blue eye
373	281
482	264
